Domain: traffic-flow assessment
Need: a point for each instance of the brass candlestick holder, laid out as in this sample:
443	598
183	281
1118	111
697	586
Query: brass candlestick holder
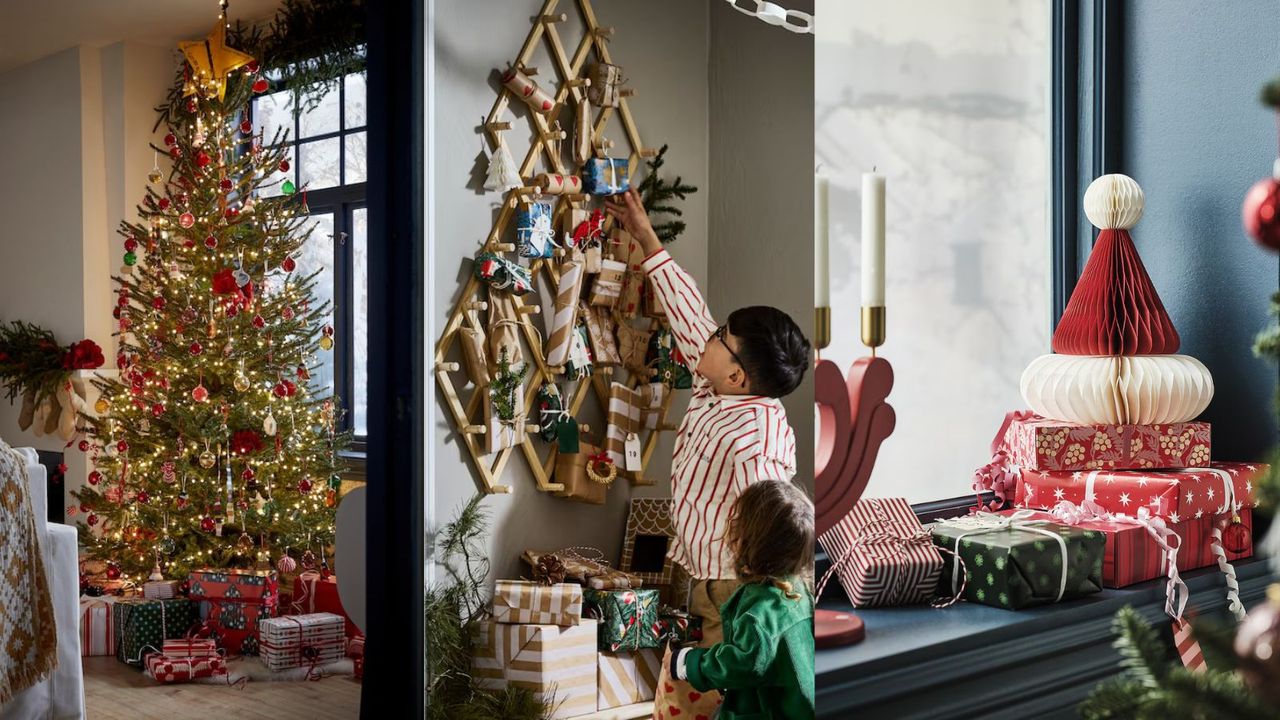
873	327
822	327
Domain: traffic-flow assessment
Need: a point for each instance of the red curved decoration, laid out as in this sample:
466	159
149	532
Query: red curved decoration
855	419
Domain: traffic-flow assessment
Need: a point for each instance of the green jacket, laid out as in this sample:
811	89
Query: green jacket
765	662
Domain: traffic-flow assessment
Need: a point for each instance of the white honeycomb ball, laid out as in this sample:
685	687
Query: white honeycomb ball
1113	202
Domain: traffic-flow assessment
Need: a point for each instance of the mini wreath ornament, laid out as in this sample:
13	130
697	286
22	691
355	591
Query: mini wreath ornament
600	469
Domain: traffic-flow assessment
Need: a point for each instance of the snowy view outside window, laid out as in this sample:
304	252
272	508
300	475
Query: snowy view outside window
949	100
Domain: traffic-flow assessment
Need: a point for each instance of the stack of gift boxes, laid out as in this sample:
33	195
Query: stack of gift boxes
583	649
183	631
1109	480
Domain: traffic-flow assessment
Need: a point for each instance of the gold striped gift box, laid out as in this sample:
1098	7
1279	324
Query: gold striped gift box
556	662
626	678
521	601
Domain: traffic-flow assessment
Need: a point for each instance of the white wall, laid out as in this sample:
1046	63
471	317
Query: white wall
75	159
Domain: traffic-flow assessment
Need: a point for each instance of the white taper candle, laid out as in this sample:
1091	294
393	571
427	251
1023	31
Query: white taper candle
872	240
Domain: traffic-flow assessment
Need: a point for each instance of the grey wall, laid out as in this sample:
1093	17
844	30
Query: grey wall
1195	138
761	225
662	45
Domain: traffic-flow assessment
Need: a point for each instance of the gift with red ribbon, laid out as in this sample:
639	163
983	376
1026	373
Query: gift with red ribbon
882	555
167	669
97	634
315	594
190	647
309	641
1175	495
232	602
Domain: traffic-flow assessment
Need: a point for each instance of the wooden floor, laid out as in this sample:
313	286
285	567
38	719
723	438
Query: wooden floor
115	691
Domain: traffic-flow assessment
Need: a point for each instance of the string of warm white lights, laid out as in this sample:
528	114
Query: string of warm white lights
774	14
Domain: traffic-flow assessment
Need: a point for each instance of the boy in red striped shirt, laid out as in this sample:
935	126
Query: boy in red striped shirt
735	431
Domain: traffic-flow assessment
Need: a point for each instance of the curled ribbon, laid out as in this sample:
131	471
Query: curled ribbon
983	522
1176	591
1000	475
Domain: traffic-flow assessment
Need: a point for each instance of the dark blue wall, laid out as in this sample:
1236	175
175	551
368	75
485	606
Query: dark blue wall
1195	137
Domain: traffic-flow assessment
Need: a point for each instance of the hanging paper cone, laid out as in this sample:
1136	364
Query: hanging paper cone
566	310
527	90
557	184
474	358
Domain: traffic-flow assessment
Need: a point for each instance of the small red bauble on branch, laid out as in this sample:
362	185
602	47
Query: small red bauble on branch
245	442
1261	211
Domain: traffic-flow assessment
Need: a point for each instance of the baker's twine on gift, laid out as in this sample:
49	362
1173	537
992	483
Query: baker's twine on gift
1176	591
887	539
1000	475
984	522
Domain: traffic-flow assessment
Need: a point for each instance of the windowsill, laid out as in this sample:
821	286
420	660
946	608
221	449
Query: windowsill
1039	662
356	462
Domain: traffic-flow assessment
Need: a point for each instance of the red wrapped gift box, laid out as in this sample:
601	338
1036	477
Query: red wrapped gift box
231	604
882	555
1172	494
1038	443
1134	556
183	669
189	648
314	594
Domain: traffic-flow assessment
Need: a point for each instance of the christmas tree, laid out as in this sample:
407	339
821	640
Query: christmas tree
211	448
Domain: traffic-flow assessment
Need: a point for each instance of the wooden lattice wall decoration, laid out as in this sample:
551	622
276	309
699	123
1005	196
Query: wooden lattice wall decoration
547	154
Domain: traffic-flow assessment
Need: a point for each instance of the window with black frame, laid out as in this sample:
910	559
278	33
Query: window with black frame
327	137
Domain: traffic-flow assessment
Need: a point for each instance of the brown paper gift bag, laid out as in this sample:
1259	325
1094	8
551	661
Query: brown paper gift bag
571	471
474	358
504	330
633	346
600	331
608	284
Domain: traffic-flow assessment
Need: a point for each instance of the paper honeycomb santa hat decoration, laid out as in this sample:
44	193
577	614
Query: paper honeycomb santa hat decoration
1115	344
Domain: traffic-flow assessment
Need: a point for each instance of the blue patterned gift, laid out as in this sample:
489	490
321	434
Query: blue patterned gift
606	176
533	230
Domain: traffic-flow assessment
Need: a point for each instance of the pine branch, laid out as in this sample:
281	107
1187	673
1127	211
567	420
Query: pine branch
1270	95
656	196
1144	656
1114	699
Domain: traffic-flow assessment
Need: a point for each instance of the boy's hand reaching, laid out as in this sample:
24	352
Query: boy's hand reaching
627	210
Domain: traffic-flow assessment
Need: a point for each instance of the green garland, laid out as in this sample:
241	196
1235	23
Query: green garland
452	610
31	361
657	195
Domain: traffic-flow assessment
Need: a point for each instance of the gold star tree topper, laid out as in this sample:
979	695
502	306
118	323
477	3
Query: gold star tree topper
211	59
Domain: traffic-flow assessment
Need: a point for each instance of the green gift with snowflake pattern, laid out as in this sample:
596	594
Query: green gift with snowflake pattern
1014	568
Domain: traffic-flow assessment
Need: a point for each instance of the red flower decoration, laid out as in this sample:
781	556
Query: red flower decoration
245	442
84	355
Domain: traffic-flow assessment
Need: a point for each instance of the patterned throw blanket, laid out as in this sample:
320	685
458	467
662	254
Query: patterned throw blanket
28	643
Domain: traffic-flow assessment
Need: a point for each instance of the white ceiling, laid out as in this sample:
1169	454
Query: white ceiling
32	29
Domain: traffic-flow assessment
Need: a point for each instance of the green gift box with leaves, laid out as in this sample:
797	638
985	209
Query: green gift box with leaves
1011	561
142	623
628	618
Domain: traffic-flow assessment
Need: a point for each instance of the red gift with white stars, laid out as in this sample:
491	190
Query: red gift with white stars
1175	495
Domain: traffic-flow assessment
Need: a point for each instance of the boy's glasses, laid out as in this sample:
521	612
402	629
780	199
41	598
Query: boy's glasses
720	334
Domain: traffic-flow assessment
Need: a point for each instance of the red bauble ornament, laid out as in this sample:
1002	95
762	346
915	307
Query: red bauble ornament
195	348
246	127
84	446
252	67
95	477
130	244
284	166
165	203
202	159
259	322
191	105
280	390
1261	212
290	388
157	302
261	85
188	243
327	331
289	264
248	473
226	185
170	140
113	571
287	313
92	519
143	497
304	486
157	409
200	393
206	524
211	242
186	220
1236	536
122	446
115	312
175	152
232	213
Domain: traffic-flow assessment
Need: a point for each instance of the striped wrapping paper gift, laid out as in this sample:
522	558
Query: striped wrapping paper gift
891	560
556	662
627	678
300	640
97	635
189	648
521	601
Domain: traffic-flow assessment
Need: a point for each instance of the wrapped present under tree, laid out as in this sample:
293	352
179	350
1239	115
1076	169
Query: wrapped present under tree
232	602
628	618
140	623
